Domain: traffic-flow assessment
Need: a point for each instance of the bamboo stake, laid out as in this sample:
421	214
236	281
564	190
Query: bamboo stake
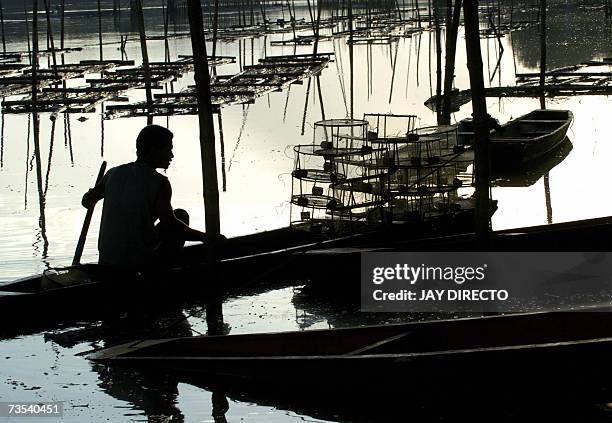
100	30
2	24
27	28
438	65
542	53
145	58
215	28
350	19
207	134
481	122
165	14
50	35
449	70
62	23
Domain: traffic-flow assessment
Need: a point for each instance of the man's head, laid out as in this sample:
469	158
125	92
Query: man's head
154	146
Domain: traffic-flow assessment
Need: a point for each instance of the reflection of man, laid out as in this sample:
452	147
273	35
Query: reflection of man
135	196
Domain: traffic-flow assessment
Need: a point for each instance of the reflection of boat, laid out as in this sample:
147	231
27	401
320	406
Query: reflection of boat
525	176
449	355
526	138
458	99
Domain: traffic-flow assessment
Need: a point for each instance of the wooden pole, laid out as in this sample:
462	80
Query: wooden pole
215	27
100	30
50	35
2	24
542	53
482	122
350	22
34	58
145	57
207	133
25	11
449	65
165	16
438	63
62	23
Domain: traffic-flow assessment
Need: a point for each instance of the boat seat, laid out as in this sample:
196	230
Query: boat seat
537	132
511	139
534	121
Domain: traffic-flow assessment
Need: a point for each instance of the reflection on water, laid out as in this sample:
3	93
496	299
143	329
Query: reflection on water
40	224
527	175
187	396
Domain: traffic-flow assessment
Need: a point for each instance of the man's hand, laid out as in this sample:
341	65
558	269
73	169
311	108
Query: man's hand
91	197
220	239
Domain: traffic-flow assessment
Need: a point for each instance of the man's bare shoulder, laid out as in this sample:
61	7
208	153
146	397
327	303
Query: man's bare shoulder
138	168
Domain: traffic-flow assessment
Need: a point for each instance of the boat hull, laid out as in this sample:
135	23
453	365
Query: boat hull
529	352
529	137
334	264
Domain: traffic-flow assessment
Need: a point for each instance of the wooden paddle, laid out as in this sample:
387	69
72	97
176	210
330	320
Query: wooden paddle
81	244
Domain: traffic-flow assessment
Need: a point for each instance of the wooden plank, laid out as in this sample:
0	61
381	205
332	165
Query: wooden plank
77	90
535	121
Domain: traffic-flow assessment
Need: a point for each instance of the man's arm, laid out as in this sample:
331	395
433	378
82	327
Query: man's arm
91	197
165	212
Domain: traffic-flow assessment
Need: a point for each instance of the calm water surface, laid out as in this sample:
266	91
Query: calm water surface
259	159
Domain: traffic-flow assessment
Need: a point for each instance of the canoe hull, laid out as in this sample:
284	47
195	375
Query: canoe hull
23	304
529	352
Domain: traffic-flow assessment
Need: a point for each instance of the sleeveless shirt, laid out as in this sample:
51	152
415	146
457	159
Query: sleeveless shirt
127	230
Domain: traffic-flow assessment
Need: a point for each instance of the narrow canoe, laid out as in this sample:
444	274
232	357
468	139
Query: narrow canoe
484	351
271	256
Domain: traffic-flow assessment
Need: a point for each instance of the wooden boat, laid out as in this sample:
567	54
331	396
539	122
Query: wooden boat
529	136
527	350
89	291
526	138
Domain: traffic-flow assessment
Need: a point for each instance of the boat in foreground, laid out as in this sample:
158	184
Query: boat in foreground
492	352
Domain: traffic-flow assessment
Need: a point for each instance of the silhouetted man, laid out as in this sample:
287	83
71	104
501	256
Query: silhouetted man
135	197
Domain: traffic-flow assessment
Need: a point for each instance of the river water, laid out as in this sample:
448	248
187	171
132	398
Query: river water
388	78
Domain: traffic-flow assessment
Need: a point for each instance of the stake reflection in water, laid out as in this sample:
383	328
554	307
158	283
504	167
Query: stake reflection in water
49	160
222	146
215	327
2	140
549	212
306	107
39	185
